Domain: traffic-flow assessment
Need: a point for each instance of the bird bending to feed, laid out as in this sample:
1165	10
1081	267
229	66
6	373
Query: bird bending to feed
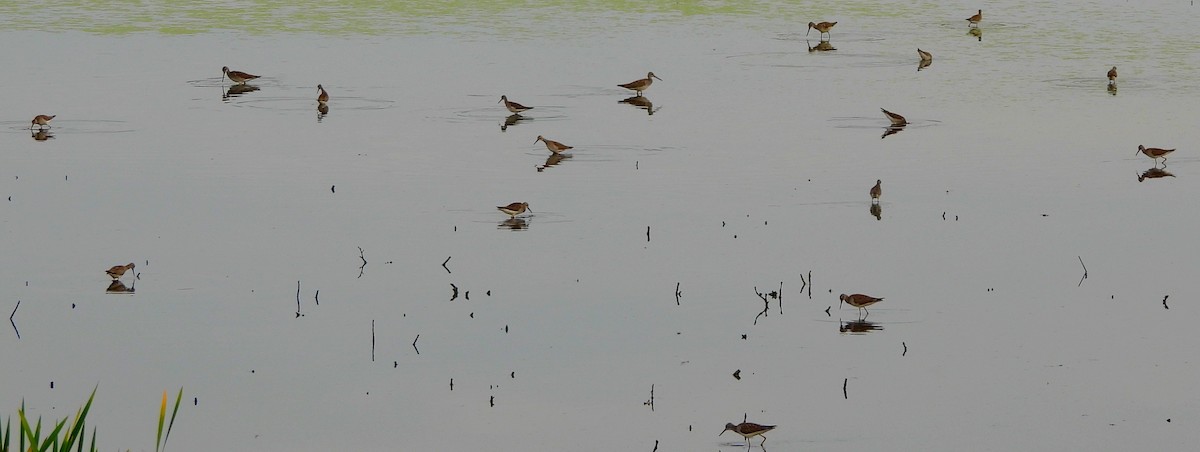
976	19
513	106
119	270
876	190
925	56
640	85
552	145
1155	153
324	96
896	119
822	27
859	301
515	209
748	430
1112	75
238	76
41	121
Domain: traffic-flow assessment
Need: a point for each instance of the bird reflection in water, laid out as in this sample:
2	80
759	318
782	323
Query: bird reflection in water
552	160
976	33
119	287
1112	88
515	224
1154	173
822	46
926	59
859	326
238	90
322	110
512	120
891	130
41	135
640	102
876	211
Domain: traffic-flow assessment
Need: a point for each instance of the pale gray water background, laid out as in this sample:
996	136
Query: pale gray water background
754	169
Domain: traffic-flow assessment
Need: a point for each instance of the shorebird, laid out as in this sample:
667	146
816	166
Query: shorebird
513	106
748	430
41	121
552	145
925	56
118	271
324	96
976	19
1112	75
896	119
238	76
1155	153
640	85
822	27
859	301
515	209
876	191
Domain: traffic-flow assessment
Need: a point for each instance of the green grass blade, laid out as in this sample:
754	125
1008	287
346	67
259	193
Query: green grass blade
175	411
93	448
80	420
162	416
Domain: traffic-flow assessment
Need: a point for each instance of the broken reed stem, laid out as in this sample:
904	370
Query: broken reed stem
1084	271
844	394
905	349
414	344
372	340
297	298
444	264
677	294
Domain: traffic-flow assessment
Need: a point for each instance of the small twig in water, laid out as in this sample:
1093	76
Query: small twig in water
844	394
1084	271
810	284
372	340
905	349
766	305
1164	303
317	297
650	403
647	233
364	265
454	295
444	264
419	350
10	319
656	443
297	299
677	294
827	314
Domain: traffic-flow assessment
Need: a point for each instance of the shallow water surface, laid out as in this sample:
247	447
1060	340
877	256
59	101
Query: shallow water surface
745	170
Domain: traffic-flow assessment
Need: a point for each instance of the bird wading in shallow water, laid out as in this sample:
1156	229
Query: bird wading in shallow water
238	76
859	301
896	119
976	19
41	121
1112	75
322	97
553	146
1155	153
822	28
640	85
118	271
749	430
513	106
515	209
876	191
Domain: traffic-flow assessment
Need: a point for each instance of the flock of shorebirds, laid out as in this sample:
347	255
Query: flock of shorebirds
745	429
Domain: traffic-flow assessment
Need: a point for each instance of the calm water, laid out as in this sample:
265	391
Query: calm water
752	170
